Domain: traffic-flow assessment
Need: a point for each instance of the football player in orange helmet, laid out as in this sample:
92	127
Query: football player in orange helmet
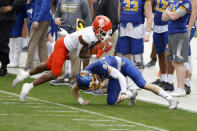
81	40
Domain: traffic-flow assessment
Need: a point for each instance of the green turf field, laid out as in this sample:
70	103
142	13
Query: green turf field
52	108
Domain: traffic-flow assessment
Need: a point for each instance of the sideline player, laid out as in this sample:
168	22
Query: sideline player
132	34
177	14
115	69
160	39
83	39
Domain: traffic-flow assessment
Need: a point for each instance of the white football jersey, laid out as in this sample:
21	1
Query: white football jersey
71	41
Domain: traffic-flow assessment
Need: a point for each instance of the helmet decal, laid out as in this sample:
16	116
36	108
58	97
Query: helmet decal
87	80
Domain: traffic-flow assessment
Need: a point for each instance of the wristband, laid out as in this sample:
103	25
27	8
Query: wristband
123	93
80	100
147	33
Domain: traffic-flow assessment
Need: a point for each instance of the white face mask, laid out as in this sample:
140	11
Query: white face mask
106	36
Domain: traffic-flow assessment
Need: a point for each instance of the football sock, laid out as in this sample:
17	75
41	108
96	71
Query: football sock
165	95
170	78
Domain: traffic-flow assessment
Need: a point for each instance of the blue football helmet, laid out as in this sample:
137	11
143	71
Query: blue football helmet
87	80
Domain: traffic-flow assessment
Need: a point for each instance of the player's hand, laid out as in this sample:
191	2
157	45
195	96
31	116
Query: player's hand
5	9
35	25
108	46
85	102
58	21
99	52
122	96
146	38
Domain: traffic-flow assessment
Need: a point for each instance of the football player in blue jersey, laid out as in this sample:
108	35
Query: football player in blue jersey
115	69
177	15
132	33
160	40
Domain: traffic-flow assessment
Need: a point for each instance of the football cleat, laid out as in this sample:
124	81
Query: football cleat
133	98
20	77
187	89
157	82
178	93
25	90
173	104
167	86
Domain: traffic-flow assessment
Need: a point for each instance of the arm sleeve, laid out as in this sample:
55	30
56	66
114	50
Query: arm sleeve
18	4
58	10
111	7
85	12
46	5
117	75
181	12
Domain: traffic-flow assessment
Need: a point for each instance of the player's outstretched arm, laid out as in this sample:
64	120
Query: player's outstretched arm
148	14
75	92
114	73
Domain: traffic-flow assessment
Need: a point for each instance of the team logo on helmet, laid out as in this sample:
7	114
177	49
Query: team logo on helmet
87	80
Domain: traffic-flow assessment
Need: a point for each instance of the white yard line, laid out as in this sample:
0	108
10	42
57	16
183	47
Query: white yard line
92	120
112	125
8	99
90	112
55	111
53	115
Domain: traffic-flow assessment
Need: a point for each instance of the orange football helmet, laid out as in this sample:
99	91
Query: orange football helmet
102	27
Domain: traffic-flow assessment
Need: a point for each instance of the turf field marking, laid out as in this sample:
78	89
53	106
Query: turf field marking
127	130
11	114
87	111
56	111
45	107
111	125
53	115
8	99
92	120
120	129
6	96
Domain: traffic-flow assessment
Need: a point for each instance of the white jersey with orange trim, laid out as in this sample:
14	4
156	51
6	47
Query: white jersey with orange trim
71	41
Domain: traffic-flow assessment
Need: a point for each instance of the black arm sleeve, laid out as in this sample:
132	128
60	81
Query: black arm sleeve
112	13
17	4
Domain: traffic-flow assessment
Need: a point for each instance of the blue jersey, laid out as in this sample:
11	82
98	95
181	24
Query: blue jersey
132	11
160	6
125	66
179	25
18	24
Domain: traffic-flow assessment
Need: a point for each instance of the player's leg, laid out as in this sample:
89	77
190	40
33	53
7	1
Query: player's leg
130	70
160	41
25	74
180	45
54	63
123	47
188	66
137	50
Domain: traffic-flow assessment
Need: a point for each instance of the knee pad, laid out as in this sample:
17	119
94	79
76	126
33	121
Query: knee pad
138	61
